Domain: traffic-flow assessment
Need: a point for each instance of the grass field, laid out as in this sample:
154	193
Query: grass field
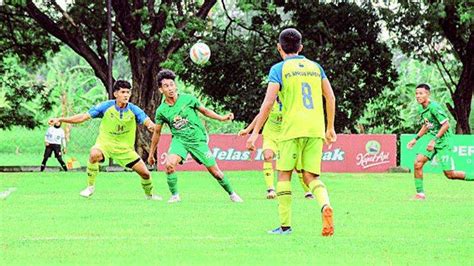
45	221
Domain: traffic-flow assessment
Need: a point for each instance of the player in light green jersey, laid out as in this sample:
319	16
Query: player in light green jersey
301	85
180	112
270	133
116	137
436	127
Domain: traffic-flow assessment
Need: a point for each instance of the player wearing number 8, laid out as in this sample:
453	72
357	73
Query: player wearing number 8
300	84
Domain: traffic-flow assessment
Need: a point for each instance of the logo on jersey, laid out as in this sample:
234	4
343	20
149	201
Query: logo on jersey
179	122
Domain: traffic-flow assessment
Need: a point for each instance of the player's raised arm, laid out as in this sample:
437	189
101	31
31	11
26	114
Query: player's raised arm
211	114
265	109
75	119
154	143
328	94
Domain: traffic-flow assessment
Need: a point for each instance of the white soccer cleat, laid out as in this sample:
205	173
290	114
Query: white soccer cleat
174	198
235	198
153	197
271	194
87	192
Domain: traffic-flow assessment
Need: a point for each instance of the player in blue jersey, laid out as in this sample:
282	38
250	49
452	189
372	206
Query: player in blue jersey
116	137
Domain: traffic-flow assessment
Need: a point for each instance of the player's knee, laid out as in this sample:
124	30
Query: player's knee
268	156
145	175
95	156
449	174
170	168
418	165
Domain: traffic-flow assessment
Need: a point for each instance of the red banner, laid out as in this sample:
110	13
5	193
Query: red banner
351	153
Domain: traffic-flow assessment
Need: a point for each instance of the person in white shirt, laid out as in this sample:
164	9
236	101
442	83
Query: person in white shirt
53	139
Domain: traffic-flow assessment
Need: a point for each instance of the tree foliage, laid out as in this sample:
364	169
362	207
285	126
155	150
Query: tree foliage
244	48
440	32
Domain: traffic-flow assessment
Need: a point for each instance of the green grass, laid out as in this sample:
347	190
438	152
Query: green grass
46	222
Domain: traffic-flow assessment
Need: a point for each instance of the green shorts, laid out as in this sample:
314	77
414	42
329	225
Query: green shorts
443	154
125	157
199	151
300	154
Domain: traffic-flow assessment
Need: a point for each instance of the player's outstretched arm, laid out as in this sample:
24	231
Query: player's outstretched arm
249	128
75	119
154	143
420	133
149	125
328	94
211	114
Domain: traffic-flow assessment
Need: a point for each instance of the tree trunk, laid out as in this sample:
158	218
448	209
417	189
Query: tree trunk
145	94
462	98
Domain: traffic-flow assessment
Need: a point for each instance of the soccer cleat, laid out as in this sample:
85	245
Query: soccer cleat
235	198
87	192
280	231
328	223
271	194
309	195
153	197
174	199
419	196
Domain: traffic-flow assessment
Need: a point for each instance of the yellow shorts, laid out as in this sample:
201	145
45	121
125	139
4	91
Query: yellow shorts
123	157
300	154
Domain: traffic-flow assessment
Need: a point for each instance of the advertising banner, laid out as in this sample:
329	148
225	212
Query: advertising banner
463	153
351	153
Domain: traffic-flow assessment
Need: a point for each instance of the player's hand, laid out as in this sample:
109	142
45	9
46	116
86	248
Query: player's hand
250	145
243	133
228	117
151	160
411	144
64	151
331	136
53	121
46	144
431	145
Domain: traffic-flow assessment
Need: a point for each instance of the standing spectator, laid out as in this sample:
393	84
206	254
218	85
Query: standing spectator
53	139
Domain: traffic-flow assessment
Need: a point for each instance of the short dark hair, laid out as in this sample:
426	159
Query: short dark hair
424	86
165	74
290	40
121	84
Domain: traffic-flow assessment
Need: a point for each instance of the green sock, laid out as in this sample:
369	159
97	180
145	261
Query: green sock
147	186
172	180
224	182
92	171
284	202
419	185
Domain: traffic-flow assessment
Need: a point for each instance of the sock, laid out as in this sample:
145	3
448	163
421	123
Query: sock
172	180
92	171
305	187
284	202
147	186
224	182
268	174
419	185
319	191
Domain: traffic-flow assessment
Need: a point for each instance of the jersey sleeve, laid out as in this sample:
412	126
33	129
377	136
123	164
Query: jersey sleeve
439	114
195	103
323	74
275	74
99	110
159	119
139	113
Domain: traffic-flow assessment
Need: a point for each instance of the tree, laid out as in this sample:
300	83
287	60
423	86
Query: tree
439	31
148	32
244	48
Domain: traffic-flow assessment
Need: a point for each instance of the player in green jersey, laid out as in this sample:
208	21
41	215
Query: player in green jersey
301	85
116	137
180	112
436	127
270	132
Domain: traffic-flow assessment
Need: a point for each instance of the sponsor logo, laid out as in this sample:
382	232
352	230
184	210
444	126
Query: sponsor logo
335	155
179	122
373	156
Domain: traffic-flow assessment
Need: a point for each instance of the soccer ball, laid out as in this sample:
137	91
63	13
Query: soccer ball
200	53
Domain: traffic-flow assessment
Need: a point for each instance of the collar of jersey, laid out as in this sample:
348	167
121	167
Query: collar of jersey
294	57
121	109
